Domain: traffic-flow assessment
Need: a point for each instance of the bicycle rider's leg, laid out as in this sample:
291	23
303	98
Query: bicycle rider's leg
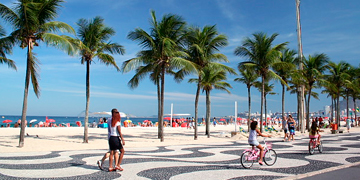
261	153
318	139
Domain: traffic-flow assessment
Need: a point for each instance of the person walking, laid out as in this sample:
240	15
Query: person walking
285	129
114	135
291	126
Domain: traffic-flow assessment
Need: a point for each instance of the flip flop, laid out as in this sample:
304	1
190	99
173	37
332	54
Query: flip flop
112	169
261	163
119	168
100	165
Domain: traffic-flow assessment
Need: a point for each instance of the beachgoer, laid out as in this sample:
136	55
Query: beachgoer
321	123
348	124
285	128
114	135
314	132
214	121
254	131
291	126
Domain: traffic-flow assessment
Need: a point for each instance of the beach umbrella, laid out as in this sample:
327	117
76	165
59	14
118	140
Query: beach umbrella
33	120
128	121
7	121
145	121
167	118
223	119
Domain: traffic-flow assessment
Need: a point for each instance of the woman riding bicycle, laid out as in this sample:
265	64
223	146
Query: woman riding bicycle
314	132
253	139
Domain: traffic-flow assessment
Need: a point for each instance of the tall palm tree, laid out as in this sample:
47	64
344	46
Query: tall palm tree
268	89
94	42
338	74
262	55
248	77
314	67
32	21
211	78
286	56
5	48
203	47
162	53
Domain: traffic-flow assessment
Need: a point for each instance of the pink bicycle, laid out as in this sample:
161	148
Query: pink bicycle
249	156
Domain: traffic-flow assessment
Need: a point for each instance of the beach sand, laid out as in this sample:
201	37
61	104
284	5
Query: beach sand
71	138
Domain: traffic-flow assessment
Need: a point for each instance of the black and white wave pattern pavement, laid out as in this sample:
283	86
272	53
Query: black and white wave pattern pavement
206	161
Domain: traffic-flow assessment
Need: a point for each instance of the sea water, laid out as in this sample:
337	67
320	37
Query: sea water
66	119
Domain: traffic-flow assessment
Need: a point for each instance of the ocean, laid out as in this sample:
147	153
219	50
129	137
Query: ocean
69	119
64	119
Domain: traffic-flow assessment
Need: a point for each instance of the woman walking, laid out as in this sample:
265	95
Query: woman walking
114	136
292	125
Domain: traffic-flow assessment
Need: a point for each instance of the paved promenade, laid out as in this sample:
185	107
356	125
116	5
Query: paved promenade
205	161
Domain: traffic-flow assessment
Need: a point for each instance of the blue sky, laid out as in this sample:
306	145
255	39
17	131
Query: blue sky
328	26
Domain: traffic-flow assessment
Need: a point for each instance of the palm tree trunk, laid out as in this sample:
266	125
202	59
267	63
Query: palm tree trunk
159	107
308	110
283	103
26	92
298	108
162	104
249	115
208	113
262	102
332	110
338	109
196	107
86	121
265	112
347	104
354	100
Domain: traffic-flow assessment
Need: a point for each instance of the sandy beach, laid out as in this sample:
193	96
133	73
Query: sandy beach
70	138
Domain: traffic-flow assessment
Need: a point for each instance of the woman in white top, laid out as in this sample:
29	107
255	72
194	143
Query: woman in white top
114	135
253	139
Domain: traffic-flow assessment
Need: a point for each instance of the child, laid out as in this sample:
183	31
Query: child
314	132
253	139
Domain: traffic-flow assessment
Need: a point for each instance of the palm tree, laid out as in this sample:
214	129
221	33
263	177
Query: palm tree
203	45
32	21
262	56
268	89
211	78
287	56
314	66
162	54
338	74
353	84
248	77
94	43
5	48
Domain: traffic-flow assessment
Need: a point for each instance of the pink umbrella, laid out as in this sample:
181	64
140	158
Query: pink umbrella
222	119
167	118
145	121
238	118
7	121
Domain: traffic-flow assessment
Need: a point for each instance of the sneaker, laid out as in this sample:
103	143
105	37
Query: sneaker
100	165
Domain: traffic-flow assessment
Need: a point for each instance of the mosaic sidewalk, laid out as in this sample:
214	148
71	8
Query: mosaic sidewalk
205	161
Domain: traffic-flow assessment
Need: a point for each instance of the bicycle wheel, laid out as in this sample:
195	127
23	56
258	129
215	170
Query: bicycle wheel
320	147
311	147
245	162
270	157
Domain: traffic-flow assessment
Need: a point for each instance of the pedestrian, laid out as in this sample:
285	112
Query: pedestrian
214	121
285	128
348	124
115	135
291	126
